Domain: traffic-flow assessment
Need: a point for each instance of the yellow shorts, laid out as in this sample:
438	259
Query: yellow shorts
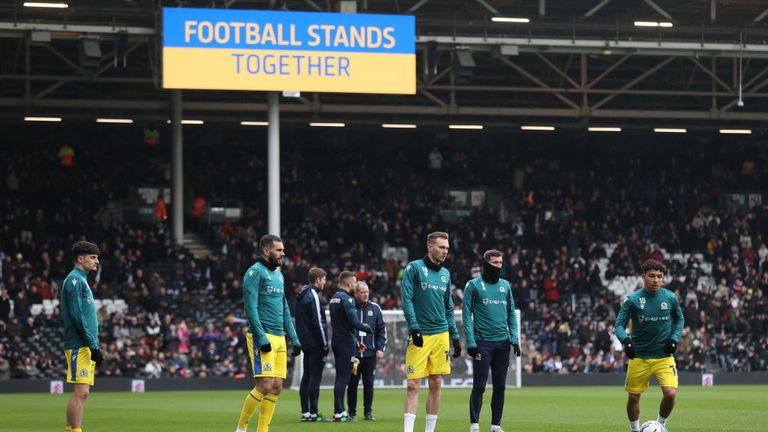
640	370
80	368
431	359
269	364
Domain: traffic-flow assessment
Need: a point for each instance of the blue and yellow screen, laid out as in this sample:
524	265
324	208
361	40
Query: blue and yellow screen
231	49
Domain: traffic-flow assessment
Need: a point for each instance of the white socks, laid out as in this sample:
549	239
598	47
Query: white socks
410	419
662	420
431	422
634	425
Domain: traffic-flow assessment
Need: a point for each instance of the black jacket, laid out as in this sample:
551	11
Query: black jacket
370	313
344	322
311	326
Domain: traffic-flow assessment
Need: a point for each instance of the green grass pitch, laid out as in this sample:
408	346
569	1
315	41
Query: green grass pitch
581	409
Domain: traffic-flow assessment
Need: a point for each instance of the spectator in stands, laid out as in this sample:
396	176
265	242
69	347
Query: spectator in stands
66	156
5	368
5	304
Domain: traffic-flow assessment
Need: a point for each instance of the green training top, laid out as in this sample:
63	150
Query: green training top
265	304
488	312
656	318
427	302
81	325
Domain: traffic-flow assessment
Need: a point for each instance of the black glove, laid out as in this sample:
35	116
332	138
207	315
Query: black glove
97	356
417	339
629	348
456	348
368	330
671	347
296	350
267	347
472	351
516	349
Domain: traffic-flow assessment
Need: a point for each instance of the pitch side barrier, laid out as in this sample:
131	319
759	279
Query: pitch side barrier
207	384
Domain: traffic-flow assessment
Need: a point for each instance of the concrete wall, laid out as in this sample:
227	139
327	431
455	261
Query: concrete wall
535	380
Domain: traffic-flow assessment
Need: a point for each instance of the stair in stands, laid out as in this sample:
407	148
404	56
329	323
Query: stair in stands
195	244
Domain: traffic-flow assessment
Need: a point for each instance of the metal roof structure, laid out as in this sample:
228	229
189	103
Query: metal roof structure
574	62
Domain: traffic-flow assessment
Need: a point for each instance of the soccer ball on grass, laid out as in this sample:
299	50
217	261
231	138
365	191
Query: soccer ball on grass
652	426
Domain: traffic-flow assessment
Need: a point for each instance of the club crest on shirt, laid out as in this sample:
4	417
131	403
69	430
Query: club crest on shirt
664	306
501	289
426	272
642	302
370	313
443	279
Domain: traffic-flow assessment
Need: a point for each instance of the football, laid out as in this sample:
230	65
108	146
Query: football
652	426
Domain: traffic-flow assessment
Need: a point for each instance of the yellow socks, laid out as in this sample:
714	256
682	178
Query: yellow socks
252	402
76	430
266	412
68	429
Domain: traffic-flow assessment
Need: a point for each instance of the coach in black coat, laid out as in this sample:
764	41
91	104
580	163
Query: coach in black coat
312	329
375	345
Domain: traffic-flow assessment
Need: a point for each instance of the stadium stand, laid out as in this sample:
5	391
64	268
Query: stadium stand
574	230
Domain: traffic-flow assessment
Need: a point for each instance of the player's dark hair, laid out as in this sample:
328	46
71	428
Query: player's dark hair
345	275
315	274
652	264
493	253
432	237
268	240
84	248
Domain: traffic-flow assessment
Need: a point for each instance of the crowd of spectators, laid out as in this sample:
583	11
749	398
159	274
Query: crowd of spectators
570	216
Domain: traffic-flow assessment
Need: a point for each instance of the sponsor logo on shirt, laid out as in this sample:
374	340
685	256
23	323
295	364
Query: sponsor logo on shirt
335	300
274	290
646	318
487	301
425	286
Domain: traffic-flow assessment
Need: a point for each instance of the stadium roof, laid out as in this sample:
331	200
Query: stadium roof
575	62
